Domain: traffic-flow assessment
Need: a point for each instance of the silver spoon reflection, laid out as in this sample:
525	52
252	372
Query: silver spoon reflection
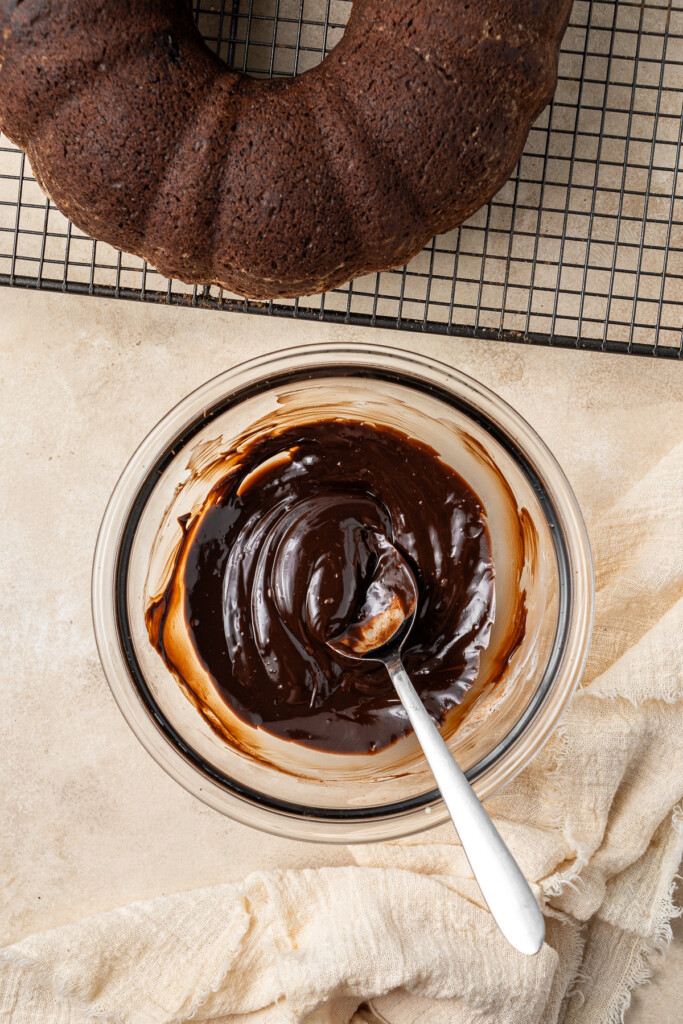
378	634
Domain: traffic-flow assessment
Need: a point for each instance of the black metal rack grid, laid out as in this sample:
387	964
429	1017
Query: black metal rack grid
582	247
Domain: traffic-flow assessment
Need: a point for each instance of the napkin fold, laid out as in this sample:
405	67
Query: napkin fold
402	935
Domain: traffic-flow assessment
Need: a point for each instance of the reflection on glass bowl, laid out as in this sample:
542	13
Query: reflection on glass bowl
544	592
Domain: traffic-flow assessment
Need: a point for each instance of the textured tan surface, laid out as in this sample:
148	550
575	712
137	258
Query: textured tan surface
89	822
662	1000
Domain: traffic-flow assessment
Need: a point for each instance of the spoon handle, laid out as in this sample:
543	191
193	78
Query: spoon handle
502	884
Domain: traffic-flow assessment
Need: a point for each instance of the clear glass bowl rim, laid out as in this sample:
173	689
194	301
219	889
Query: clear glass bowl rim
355	359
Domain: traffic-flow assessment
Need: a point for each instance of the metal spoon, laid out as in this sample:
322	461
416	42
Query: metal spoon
378	634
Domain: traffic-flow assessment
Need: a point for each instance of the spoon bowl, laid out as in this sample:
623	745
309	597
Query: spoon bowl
386	616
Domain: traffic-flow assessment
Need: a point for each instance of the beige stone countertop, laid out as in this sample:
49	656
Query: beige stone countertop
88	820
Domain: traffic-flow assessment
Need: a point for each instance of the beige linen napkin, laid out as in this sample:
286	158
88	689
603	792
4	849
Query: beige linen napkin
402	935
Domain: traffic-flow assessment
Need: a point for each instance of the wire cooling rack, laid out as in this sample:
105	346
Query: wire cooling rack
582	247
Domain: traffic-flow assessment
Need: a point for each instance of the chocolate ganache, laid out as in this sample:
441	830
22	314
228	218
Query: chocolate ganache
281	558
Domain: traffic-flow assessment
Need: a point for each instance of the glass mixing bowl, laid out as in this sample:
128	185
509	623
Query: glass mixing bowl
540	550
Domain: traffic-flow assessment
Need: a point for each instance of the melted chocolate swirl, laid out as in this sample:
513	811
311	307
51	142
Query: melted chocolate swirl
280	559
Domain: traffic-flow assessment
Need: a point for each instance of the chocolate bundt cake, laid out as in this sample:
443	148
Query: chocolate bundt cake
282	187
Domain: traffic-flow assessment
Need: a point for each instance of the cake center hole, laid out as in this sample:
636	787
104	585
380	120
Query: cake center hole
264	38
